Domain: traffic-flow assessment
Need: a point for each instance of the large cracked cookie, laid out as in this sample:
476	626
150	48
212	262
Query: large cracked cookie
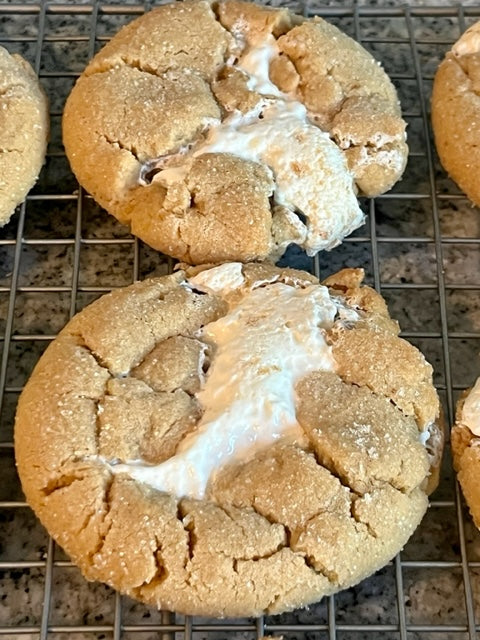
456	112
230	441
23	131
228	131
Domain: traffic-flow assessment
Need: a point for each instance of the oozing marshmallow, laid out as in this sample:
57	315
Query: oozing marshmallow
255	62
270	338
310	172
220	280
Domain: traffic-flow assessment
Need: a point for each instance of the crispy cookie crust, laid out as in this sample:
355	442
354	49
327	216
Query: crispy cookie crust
23	131
456	114
152	89
290	525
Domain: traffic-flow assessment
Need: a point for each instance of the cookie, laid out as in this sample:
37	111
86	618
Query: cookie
456	112
465	440
217	441
23	131
229	131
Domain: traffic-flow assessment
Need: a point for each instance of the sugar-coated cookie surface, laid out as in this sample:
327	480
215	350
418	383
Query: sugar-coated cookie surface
229	131
465	440
232	440
456	112
23	131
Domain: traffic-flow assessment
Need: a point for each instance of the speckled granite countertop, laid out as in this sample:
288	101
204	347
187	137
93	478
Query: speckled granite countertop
420	246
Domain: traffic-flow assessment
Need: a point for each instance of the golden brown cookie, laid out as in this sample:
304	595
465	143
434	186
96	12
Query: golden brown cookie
465	440
23	131
201	441
228	132
456	112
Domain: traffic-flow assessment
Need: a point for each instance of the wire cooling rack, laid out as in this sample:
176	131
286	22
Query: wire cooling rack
420	248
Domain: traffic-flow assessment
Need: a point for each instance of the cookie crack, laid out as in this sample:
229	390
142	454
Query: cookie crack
290	543
124	61
161	571
64	475
326	462
136	63
282	596
254	558
309	558
327	74
66	480
370	530
268	517
375	392
215	8
188	523
469	76
393	482
331	341
120	145
4	91
246	532
172	391
313	563
187	251
61	481
84	345
107	501
5	150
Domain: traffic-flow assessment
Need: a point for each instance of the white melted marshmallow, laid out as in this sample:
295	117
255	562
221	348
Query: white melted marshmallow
256	64
310	172
270	338
424	436
470	416
220	280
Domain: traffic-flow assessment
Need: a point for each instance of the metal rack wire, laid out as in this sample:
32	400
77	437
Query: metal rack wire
420	248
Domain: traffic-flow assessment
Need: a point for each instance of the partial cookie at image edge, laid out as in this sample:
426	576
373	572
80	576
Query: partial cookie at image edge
24	128
465	443
455	109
